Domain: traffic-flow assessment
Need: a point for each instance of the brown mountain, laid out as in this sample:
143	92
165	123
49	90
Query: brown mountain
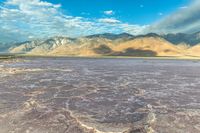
106	44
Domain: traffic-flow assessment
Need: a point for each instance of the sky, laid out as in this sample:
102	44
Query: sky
23	20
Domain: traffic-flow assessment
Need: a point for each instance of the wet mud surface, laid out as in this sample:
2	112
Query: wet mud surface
73	95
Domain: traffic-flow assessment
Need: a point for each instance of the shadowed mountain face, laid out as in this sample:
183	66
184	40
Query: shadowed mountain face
191	39
113	44
103	49
135	52
4	47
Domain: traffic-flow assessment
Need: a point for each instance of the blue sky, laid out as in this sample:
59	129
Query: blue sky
23	20
132	11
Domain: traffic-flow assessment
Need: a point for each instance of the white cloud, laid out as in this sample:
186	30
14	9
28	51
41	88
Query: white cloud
160	14
22	20
183	7
109	12
133	29
185	20
31	3
109	20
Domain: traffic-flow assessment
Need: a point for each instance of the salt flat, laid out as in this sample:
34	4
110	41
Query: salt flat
85	95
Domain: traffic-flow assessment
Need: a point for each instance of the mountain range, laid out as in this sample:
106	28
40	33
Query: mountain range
108	44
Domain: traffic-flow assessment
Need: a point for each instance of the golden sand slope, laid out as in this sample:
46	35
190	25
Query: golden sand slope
194	51
158	45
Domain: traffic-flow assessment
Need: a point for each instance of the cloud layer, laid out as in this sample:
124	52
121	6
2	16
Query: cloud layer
22	20
185	20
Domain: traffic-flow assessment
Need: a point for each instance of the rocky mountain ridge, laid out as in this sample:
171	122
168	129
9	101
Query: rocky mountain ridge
114	45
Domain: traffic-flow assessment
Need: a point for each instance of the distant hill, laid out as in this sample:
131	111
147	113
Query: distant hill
190	39
113	45
4	47
112	36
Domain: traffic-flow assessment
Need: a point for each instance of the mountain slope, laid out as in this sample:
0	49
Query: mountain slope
4	47
190	39
194	51
81	47
40	46
62	46
155	44
116	45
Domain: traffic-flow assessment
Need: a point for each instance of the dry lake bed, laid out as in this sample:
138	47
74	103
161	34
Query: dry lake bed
85	95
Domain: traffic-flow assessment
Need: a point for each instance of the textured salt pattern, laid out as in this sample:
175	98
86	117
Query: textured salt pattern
72	95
